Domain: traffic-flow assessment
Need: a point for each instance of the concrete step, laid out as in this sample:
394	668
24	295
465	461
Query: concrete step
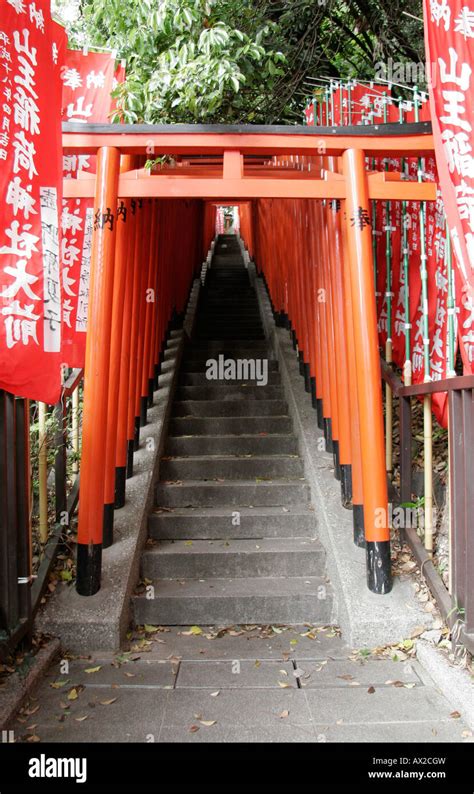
232	493
200	379
246	600
217	522
223	346
216	408
232	425
230	467
278	444
232	334
204	559
231	390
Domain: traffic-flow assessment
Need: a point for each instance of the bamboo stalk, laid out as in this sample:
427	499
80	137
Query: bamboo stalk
43	473
75	429
427	414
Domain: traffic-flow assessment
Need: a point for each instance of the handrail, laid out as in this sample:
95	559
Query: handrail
430	387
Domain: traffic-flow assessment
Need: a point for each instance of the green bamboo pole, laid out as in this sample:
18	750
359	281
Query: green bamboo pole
427	413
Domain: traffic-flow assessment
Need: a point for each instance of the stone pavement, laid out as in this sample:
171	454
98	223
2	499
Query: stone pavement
249	685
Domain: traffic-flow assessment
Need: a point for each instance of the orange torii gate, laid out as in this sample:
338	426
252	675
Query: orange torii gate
232	164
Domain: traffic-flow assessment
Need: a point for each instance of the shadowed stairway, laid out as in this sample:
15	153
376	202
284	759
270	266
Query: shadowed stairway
233	537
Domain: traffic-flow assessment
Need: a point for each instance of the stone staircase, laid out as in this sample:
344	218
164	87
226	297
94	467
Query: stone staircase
233	536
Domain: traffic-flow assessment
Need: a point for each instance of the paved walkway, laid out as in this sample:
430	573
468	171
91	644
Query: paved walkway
248	685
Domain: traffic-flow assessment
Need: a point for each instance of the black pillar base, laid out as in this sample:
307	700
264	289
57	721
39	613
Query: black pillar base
151	391
108	533
314	399
156	375
143	411
335	455
301	363
120	478
319	410
379	566
359	526
136	437
89	565
307	379
327	427
287	323
293	339
130	451
346	485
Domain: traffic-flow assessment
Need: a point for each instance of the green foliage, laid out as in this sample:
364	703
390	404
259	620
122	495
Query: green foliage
237	61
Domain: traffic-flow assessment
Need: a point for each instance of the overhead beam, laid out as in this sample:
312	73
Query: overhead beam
248	188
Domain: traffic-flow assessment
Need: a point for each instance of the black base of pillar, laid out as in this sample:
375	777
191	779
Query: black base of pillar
287	323
108	533
379	566
359	526
89	565
327	427
337	464
143	411
136	437
130	451
151	391
301	363
319	409
346	485
293	339
120	479
156	375
307	379
314	399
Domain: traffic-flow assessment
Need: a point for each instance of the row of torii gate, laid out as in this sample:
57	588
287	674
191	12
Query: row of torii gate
229	165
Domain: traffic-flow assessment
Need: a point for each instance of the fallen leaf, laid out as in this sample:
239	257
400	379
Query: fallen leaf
81	719
130	675
284	714
59	684
107	702
214	694
283	672
455	715
193	630
93	669
284	685
73	694
193	728
293	642
29	712
208	723
151	629
257	663
33	738
63	705
371	690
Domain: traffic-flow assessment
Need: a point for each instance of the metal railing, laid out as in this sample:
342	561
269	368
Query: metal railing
455	603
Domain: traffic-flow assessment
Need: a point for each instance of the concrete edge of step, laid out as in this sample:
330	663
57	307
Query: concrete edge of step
453	681
20	686
100	622
366	619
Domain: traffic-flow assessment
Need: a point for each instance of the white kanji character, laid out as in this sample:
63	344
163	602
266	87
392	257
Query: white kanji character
454	108
68	282
440	11
461	80
24	156
68	308
20	324
468	304
71	220
4	39
26	112
464	23
18	5
55	52
36	16
3	154
4	138
23	280
79	110
69	252
437	349
71	78
25	46
20	198
94	80
23	243
465	202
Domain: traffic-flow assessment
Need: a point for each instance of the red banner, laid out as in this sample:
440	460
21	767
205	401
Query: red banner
30	288
87	80
449	40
